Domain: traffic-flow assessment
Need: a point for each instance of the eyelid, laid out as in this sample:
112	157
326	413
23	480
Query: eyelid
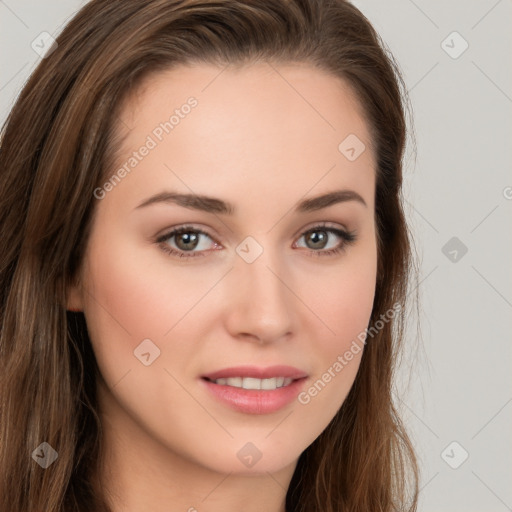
320	224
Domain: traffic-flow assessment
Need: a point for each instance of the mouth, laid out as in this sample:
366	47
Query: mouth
253	390
253	377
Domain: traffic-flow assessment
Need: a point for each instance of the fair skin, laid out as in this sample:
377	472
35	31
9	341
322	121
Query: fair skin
262	145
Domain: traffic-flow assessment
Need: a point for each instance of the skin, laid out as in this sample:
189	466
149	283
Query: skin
263	145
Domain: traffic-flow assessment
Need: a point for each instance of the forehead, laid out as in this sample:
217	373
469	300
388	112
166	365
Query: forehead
298	85
289	123
275	95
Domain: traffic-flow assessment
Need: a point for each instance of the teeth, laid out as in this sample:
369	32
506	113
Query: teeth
252	383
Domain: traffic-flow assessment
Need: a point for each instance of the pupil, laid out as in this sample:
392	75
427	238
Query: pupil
319	239
187	236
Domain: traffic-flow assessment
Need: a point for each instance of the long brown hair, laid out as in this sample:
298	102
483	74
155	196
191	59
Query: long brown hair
57	147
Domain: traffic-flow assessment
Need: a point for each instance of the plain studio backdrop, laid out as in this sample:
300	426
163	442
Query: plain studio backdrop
455	58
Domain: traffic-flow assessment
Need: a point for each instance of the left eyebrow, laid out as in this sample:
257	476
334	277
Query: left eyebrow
323	201
214	205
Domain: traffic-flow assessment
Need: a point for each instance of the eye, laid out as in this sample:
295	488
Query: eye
318	238
188	238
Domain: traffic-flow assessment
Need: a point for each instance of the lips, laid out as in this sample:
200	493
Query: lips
254	401
257	372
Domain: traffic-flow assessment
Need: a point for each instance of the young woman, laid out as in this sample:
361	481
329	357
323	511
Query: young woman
205	263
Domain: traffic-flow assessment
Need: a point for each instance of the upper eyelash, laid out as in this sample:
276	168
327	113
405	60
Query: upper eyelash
348	236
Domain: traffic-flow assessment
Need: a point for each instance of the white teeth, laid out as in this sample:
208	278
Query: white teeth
252	383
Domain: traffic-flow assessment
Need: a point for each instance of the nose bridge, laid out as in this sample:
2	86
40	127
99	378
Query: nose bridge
262	301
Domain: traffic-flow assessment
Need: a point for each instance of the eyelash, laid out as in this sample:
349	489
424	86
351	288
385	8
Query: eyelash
348	237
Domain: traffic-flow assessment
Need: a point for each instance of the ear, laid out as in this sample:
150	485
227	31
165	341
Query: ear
74	300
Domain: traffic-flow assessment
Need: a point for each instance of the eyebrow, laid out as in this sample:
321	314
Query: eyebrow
214	205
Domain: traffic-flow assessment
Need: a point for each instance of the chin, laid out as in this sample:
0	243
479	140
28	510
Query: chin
249	461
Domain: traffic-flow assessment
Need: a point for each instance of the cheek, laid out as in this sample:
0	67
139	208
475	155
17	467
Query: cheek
345	306
131	300
346	301
134	293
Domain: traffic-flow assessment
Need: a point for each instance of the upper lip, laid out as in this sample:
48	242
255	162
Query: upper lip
257	372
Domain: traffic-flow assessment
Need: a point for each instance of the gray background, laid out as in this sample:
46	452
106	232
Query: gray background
459	185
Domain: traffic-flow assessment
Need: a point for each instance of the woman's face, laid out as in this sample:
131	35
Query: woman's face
245	284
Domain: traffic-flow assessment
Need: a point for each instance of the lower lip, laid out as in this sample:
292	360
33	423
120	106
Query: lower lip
255	401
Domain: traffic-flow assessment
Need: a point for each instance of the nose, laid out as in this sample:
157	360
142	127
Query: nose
260	301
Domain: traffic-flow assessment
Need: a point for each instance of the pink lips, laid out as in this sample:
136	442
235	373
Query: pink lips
255	401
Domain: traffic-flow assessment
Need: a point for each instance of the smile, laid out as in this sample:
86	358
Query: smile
253	383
